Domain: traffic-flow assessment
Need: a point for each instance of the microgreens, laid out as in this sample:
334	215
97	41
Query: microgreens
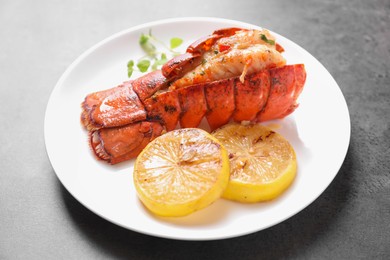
152	56
176	42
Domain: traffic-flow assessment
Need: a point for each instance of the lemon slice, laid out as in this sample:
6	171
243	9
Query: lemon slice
180	172
262	162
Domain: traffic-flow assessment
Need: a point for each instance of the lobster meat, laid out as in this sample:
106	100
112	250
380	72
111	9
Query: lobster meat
233	74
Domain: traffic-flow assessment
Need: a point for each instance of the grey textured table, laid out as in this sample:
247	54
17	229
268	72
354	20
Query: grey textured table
39	219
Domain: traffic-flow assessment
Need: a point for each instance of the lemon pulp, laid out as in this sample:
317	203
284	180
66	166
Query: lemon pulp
180	172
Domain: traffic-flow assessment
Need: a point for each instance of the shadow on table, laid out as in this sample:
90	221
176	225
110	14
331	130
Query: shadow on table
287	239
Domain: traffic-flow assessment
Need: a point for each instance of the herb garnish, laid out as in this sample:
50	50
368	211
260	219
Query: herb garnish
264	38
176	42
152	59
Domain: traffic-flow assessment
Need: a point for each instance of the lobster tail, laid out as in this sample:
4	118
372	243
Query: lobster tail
237	83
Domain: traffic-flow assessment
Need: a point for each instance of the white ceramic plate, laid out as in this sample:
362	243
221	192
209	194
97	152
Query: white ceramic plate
319	130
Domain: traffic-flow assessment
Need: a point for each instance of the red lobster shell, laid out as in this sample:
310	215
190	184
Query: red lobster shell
124	119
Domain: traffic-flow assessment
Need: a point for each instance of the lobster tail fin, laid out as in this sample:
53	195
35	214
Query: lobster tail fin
123	143
113	107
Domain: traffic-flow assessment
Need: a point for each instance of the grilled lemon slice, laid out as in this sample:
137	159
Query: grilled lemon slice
180	172
262	162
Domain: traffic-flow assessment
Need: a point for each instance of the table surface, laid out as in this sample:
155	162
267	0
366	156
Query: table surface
39	219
